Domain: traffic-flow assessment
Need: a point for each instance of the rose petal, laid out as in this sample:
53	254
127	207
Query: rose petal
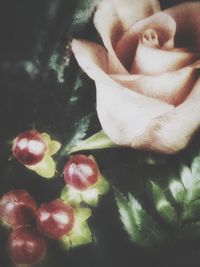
92	58
113	17
123	113
170	87
163	24
171	132
152	61
187	17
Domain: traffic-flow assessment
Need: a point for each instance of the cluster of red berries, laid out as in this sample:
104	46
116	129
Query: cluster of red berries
26	243
31	225
80	172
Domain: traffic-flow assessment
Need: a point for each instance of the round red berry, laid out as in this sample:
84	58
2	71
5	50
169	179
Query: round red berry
81	172
55	219
17	208
29	147
26	246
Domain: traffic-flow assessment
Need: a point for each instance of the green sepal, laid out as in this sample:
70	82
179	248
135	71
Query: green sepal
97	141
83	214
102	185
52	145
46	138
45	168
80	234
65	242
90	196
70	195
75	197
163	206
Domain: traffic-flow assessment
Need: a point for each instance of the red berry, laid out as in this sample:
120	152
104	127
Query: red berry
17	208
55	219
26	246
81	172
29	147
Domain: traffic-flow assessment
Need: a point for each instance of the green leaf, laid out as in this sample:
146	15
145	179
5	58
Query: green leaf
77	86
194	182
178	191
186	176
194	192
84	12
163	206
45	168
97	141
81	131
150	232
58	63
126	216
192	211
140	227
195	168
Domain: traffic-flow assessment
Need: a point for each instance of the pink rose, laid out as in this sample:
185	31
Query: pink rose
147	83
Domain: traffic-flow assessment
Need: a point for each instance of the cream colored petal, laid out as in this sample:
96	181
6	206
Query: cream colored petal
152	61
187	17
123	113
170	87
130	11
113	17
163	24
171	132
92	58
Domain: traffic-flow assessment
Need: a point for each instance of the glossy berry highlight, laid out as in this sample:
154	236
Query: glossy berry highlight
55	219
81	172
29	147
17	208
26	246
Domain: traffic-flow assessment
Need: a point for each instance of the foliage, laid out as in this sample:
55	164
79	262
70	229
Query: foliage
181	212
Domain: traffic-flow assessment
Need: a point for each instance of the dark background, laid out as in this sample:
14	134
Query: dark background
33	37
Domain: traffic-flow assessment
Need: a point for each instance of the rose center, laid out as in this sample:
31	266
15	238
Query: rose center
150	38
